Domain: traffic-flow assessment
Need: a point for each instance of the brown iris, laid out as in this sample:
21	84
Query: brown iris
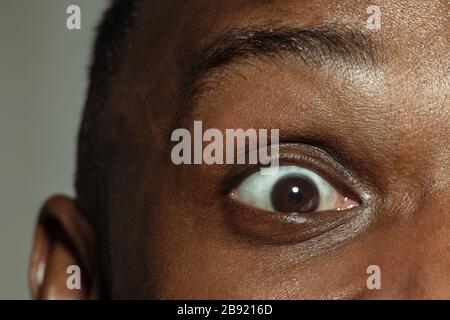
294	194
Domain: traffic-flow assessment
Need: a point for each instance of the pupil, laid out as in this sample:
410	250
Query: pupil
294	194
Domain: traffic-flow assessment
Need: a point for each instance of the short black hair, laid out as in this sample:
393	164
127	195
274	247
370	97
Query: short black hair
112	34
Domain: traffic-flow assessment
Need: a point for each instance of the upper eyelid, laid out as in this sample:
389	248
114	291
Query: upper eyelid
299	155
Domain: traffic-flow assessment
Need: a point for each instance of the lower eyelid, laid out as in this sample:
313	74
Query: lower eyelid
263	227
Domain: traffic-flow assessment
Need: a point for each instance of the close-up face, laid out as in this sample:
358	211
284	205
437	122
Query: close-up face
359	91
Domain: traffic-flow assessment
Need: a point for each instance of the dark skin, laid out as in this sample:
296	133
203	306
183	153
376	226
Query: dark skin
376	126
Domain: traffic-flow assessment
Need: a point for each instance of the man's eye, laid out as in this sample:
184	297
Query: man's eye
292	189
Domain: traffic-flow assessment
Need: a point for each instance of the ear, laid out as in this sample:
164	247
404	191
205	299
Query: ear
63	262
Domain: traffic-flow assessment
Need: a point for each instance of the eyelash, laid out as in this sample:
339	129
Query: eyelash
238	173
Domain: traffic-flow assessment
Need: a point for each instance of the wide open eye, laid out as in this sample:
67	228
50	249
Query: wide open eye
292	189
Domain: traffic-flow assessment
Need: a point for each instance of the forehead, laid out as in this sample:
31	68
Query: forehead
408	89
413	37
198	20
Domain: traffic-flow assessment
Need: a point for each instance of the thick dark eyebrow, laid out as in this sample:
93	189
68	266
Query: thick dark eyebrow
316	47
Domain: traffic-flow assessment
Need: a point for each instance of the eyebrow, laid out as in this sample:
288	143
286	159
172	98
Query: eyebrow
317	47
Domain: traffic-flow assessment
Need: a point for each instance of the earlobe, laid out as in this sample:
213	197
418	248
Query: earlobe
63	261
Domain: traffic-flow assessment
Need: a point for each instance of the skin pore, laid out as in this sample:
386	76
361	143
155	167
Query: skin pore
368	110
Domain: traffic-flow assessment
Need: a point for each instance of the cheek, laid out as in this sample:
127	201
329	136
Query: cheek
209	270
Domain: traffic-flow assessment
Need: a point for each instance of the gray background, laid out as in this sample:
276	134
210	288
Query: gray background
43	79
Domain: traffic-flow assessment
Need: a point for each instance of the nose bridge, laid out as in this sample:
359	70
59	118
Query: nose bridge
430	266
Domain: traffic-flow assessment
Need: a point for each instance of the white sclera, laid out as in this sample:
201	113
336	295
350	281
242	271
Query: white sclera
256	189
